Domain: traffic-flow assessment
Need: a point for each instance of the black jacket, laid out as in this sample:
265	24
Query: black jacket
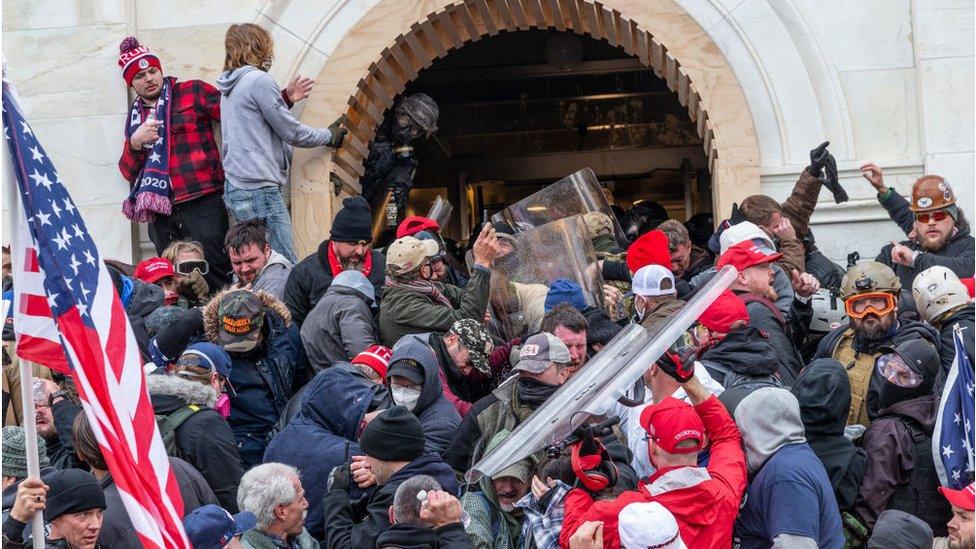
784	332
61	451
964	317
824	393
204	440
905	330
745	354
359	524
312	276
415	536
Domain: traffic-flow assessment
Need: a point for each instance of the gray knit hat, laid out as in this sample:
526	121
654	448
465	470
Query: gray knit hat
15	452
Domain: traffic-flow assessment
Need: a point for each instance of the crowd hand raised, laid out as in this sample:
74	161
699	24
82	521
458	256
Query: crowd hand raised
901	254
486	247
589	535
872	173
196	285
31	497
612	296
785	230
539	488
339	478
362	473
299	88
804	284
440	509
819	159
147	132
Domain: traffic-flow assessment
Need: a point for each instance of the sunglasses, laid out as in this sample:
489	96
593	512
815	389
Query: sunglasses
937	215
861	305
187	267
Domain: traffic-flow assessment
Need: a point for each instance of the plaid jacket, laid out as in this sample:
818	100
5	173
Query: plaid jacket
194	166
543	525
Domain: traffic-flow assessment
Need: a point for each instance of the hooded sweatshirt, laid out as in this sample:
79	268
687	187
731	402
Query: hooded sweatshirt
744	352
273	276
437	415
787	477
257	129
824	393
341	325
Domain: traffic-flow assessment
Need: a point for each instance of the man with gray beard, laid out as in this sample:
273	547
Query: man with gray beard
274	493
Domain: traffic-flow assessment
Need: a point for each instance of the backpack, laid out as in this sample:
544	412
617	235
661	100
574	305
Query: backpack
168	424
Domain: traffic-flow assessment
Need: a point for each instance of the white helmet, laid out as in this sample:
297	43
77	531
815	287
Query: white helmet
828	311
937	290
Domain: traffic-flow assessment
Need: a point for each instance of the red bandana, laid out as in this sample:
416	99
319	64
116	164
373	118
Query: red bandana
336	267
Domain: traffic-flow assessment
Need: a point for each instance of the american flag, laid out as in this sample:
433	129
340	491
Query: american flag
67	300
952	437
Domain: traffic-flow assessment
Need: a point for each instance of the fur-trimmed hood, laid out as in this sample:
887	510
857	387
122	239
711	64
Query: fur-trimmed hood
272	305
189	392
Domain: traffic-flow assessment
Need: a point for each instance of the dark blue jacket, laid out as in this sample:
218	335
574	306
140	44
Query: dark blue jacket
322	435
439	418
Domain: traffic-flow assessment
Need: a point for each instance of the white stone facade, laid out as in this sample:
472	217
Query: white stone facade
889	81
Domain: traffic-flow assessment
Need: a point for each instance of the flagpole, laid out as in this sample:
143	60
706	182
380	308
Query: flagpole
11	200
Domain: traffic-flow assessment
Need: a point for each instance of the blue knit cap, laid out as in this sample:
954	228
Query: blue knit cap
562	291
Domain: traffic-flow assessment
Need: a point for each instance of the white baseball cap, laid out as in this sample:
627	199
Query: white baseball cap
653	280
648	524
742	232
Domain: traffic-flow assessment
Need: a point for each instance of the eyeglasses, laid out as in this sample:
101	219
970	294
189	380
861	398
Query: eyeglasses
926	217
861	305
894	369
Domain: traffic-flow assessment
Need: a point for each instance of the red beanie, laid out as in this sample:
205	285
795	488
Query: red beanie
376	357
650	249
725	311
134	57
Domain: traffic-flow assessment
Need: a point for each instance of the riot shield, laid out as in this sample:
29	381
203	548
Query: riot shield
440	211
521	278
577	193
602	380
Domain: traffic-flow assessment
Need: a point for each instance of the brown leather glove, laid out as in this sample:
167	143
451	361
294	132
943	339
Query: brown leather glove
196	286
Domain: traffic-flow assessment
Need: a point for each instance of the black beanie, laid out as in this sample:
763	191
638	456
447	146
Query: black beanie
354	222
393	435
71	491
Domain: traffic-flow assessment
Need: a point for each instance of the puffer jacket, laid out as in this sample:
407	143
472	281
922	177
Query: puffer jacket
744	355
437	415
262	378
322	435
824	393
339	327
407	312
204	440
309	280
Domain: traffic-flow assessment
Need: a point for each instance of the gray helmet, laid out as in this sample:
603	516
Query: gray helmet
422	110
828	311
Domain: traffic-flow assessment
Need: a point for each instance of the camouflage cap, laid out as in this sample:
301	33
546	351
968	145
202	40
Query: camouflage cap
241	316
597	223
476	338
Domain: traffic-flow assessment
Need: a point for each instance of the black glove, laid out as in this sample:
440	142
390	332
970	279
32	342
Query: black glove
678	361
338	134
823	166
340	478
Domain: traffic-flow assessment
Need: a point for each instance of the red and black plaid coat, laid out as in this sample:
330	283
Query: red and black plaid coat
194	160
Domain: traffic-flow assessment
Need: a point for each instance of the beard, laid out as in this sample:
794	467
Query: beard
354	263
964	541
872	327
933	244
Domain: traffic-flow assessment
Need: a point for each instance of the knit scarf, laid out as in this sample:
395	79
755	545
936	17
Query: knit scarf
336	266
528	394
424	287
150	195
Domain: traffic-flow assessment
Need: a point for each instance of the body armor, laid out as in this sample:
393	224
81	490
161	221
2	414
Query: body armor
860	367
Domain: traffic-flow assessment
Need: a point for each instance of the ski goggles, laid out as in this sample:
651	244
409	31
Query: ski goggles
186	268
894	369
937	215
877	303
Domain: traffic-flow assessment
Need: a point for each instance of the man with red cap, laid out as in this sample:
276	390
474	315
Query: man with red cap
159	271
704	500
961	530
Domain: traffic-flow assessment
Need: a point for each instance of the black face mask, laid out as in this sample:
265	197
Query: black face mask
533	392
883	393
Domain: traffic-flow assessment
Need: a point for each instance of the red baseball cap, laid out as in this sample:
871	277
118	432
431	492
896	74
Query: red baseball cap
153	269
965	498
376	357
651	248
726	310
414	224
671	422
746	254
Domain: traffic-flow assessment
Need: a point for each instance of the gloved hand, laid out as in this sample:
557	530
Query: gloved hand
338	134
678	361
823	166
340	478
592	463
196	286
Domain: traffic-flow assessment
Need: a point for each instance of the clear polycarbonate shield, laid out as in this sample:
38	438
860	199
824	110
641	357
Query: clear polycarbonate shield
440	211
533	260
600	382
577	193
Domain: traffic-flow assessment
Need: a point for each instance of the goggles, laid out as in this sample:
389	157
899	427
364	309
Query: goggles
937	215
877	303
894	369
187	267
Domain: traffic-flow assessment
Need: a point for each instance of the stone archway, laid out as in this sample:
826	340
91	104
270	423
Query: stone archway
394	40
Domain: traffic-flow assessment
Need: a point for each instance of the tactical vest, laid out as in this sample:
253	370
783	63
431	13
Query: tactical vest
920	495
859	368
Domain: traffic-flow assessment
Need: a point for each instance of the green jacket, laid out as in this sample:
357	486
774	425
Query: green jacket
254	539
406	312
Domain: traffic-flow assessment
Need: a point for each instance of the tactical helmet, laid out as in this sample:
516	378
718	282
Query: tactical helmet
931	192
868	277
828	311
422	110
937	290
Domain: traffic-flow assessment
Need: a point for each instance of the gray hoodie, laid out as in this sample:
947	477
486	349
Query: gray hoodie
272	277
257	129
341	325
768	419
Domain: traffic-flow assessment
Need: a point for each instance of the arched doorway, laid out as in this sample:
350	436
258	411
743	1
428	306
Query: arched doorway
677	51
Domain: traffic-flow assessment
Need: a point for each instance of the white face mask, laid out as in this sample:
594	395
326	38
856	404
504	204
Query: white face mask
405	396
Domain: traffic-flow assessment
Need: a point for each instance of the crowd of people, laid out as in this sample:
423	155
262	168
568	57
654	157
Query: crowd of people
338	401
